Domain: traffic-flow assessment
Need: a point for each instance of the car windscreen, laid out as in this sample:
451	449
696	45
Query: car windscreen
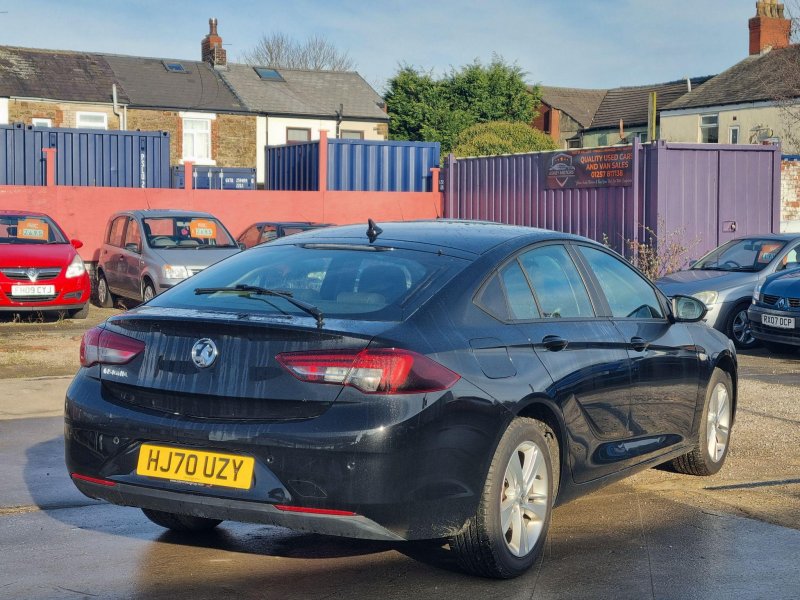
341	281
741	255
29	229
186	232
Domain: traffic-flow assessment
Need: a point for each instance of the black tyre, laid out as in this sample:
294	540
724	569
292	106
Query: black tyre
80	313
105	298
738	327
713	436
180	522
779	348
148	291
507	534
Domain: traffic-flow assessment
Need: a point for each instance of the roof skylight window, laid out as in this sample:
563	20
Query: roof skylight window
268	74
174	67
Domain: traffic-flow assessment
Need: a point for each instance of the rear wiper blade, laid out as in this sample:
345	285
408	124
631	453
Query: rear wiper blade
254	289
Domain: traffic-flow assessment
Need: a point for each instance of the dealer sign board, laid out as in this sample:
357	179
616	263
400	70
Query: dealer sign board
596	167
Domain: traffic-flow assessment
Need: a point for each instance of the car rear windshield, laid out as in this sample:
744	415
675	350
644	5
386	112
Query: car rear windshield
186	232
29	229
741	255
341	281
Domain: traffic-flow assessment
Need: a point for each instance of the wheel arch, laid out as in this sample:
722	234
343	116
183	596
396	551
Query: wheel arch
725	362
543	410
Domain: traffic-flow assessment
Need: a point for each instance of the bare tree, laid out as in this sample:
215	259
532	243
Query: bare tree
277	50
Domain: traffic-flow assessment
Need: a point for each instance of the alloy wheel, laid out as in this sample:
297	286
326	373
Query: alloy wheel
149	293
524	499
718	422
102	291
741	329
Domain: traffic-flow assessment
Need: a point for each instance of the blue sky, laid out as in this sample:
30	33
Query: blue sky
580	43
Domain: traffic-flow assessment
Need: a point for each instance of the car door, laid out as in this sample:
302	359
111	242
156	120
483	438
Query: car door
585	355
131	263
664	359
112	259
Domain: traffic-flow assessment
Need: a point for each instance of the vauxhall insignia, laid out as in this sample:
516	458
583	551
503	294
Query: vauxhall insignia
33	274
204	353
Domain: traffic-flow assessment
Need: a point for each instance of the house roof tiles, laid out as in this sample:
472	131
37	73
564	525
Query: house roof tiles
770	76
580	104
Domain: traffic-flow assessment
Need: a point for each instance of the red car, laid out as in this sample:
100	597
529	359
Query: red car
39	267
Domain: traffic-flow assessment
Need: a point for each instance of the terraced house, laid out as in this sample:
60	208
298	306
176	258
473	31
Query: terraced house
217	113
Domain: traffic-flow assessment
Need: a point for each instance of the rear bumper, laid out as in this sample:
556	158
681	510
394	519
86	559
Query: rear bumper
411	470
355	526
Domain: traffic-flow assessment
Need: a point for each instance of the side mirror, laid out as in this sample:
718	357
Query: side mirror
77	244
133	248
692	263
686	309
242	246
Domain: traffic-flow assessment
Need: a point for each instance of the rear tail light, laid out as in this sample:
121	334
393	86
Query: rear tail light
384	371
103	346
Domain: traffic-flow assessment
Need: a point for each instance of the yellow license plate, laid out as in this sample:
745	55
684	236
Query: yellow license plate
196	466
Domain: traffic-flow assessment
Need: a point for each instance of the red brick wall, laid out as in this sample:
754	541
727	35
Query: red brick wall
790	190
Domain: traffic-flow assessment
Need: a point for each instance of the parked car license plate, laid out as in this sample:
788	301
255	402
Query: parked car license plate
196	466
33	290
776	321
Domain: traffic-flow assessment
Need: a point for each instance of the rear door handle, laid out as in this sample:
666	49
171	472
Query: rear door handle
639	344
554	343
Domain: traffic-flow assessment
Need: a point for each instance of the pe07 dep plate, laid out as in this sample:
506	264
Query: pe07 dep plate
776	321
196	466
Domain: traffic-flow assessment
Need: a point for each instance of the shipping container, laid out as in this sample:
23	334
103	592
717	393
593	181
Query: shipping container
294	167
216	178
84	157
354	165
700	195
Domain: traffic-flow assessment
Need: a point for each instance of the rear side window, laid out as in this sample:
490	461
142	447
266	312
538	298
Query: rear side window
339	280
556	282
520	298
628	294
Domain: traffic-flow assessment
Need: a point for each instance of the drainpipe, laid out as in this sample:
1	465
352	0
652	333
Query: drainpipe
339	119
115	108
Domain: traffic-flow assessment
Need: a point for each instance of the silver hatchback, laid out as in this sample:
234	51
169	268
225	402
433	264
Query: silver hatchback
724	280
148	251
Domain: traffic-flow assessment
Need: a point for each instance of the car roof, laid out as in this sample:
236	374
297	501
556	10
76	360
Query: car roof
22	213
476	237
290	224
162	212
774	236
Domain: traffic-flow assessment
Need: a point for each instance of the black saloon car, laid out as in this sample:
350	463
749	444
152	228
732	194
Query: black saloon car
429	380
775	312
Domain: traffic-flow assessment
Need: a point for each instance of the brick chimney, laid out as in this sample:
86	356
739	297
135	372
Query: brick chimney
769	28
211	47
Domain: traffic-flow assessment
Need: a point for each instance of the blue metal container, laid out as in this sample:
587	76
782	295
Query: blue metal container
84	157
381	166
216	178
294	167
354	165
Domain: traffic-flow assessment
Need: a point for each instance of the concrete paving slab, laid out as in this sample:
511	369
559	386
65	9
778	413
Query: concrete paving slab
33	397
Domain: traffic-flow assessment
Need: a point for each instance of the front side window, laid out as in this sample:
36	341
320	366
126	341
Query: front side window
116	231
133	237
196	139
709	129
628	294
556	282
91	120
791	260
250	237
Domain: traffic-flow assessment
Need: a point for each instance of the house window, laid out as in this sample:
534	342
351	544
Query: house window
197	140
268	74
42	122
733	135
574	143
642	136
351	134
709	129
91	120
297	135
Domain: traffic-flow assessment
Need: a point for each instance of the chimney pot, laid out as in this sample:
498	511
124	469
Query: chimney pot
211	49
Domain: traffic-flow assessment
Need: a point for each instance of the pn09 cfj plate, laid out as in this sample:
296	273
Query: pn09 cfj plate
196	466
